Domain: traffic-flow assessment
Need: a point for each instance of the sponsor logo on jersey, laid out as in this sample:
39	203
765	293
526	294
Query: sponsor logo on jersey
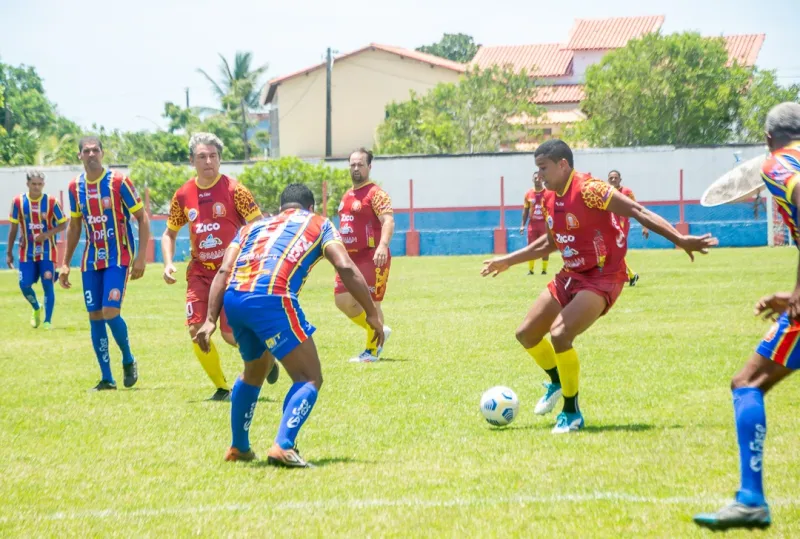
574	262
572	222
211	255
210	242
219	209
101	235
349	239
565	238
96	219
106	202
569	252
202	228
347	218
346	229
35	226
192	214
298	250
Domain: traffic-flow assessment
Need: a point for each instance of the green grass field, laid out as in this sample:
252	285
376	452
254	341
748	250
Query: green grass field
400	446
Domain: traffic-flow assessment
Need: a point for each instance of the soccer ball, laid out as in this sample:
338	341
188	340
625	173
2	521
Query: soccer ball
499	405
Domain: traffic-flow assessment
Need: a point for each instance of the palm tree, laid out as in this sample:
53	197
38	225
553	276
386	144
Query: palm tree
238	90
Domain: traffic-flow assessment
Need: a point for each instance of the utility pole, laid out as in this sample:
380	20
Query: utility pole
187	97
328	130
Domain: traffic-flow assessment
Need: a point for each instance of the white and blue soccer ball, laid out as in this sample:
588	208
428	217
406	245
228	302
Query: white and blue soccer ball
499	405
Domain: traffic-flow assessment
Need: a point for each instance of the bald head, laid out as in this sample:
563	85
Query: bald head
783	125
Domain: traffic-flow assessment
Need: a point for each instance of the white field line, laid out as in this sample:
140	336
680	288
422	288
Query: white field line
709	503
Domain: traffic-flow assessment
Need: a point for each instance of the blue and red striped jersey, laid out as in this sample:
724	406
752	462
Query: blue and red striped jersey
105	205
781	173
36	217
276	254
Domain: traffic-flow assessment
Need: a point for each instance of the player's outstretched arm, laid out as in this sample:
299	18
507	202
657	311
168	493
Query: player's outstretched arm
140	263
771	307
215	297
541	247
12	237
168	254
73	237
624	206
355	283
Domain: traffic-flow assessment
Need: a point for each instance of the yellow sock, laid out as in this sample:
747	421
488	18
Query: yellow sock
569	370
361	321
212	366
544	265
544	354
531	264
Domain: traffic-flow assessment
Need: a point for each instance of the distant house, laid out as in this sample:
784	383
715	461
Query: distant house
364	81
563	66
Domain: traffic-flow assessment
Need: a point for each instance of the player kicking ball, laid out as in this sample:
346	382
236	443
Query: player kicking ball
778	355
581	215
265	267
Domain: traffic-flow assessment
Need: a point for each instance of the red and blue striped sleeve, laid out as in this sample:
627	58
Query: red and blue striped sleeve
74	206
130	197
58	213
13	215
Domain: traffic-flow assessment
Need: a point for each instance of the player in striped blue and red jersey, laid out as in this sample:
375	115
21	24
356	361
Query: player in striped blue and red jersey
41	218
104	201
265	267
778	354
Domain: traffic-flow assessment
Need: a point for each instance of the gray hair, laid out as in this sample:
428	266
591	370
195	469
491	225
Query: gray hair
205	138
783	122
35	173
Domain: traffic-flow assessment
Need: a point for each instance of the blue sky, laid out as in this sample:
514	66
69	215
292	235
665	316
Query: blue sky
116	62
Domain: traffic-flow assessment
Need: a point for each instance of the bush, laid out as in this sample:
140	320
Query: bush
266	180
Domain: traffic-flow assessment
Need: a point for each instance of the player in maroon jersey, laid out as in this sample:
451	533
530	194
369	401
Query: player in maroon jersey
366	223
214	206
581	213
533	215
615	179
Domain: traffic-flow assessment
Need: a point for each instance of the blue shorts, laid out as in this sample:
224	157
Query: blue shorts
781	344
31	272
265	322
104	288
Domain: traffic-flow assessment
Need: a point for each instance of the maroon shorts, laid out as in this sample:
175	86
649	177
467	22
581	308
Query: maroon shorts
197	291
564	289
536	230
376	276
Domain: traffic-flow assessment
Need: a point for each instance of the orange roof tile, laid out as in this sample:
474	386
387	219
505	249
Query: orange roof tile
744	48
562	93
546	60
551	117
600	34
436	61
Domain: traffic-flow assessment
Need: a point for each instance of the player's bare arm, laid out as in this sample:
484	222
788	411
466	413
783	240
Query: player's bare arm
624	206
168	253
12	237
44	236
357	286
215	297
387	231
525	212
73	237
539	248
140	263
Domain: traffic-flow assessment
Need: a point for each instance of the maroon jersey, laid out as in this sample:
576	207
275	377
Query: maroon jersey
624	221
533	202
359	213
591	240
214	215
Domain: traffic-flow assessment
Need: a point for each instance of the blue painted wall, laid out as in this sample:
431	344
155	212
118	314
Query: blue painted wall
472	232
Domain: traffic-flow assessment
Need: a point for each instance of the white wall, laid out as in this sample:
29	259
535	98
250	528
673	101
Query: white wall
582	60
473	180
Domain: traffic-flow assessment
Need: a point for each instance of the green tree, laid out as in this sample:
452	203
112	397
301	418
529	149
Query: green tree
238	90
673	89
162	179
456	47
266	180
483	111
763	93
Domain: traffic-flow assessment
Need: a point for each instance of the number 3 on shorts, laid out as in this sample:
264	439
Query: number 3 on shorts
88	295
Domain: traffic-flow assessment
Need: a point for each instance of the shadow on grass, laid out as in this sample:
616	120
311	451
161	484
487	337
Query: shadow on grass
390	359
635	427
316	463
228	402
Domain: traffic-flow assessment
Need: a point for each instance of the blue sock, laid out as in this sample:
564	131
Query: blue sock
290	394
49	299
119	329
304	395
100	343
751	431
243	405
30	295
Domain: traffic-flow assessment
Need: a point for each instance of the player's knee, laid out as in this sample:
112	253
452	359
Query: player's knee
96	315
527	338
109	313
193	328
561	336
